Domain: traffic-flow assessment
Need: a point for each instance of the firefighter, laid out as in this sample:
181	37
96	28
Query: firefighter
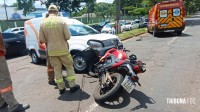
6	94
54	31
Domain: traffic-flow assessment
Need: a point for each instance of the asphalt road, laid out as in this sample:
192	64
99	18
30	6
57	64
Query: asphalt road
173	73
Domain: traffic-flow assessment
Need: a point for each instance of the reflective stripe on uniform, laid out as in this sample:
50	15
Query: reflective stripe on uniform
71	78
50	69
9	88
59	81
57	53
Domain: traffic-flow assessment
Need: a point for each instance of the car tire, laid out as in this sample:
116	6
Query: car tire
179	33
22	50
155	34
80	63
34	57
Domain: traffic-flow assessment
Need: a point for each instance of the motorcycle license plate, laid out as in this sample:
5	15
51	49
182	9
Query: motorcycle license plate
128	84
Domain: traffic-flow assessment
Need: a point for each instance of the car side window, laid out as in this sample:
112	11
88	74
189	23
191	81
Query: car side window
15	30
21	28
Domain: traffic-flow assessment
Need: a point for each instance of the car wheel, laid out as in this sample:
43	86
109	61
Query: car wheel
80	63
35	58
22	50
179	33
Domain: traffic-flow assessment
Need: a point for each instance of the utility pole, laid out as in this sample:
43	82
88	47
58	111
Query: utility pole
118	25
6	13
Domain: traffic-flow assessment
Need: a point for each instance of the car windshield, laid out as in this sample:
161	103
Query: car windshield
107	26
7	31
79	30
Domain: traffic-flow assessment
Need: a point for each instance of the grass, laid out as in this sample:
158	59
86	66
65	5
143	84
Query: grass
131	33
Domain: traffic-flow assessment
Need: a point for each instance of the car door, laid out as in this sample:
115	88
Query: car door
11	43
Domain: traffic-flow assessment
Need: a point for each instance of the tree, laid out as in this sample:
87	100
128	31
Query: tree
26	5
14	5
66	5
104	9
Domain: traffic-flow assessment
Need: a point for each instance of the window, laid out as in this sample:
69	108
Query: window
15	30
79	30
176	12
163	13
21	28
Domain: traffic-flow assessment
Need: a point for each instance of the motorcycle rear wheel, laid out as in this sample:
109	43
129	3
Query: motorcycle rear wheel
100	98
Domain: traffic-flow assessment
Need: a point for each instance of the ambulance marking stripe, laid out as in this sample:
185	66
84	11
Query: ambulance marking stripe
177	25
178	22
41	46
180	19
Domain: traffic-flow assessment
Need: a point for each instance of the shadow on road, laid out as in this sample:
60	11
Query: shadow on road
142	98
123	100
14	56
78	96
171	35
120	101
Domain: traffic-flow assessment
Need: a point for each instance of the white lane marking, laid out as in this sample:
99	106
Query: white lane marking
92	107
170	42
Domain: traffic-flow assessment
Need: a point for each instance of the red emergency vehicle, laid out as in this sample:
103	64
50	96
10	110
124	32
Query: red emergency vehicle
167	16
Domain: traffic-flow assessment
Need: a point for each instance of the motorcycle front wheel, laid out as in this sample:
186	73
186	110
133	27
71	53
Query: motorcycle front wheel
110	91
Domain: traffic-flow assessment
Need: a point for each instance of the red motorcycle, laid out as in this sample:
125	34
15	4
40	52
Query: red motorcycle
114	69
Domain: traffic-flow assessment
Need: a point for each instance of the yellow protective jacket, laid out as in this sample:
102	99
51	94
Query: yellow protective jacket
2	47
54	31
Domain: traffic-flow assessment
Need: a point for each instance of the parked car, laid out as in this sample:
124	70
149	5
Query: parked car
130	25
145	22
14	30
107	29
14	43
138	22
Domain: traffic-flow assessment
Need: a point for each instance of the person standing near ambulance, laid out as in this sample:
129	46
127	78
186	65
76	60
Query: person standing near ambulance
6	94
55	33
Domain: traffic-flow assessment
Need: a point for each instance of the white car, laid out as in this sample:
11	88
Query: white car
109	28
130	26
14	30
80	32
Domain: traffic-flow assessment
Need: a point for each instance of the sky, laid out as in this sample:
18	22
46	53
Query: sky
10	2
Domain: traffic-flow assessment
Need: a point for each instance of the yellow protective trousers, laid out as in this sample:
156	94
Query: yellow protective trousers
67	61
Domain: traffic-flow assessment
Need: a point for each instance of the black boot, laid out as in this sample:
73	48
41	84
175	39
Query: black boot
62	91
4	105
21	107
74	89
53	83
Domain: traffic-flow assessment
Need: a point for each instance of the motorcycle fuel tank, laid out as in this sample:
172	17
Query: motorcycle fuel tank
120	54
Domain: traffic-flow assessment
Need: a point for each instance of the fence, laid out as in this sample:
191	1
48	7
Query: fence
4	24
97	20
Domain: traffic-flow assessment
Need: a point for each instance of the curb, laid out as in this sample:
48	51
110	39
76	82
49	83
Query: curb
133	36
